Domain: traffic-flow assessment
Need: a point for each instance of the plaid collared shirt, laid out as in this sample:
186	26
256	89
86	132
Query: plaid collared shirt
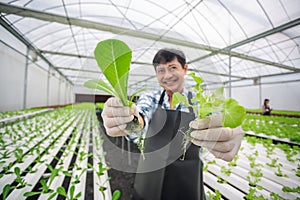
148	102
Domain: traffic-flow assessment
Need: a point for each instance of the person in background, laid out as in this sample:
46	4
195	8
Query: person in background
266	110
180	179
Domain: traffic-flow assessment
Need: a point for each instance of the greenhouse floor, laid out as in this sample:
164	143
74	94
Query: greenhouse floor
61	154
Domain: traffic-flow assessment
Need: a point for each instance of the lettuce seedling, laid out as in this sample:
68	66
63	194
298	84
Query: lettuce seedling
114	58
205	105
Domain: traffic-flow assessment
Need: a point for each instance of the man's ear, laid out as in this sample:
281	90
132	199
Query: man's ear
185	67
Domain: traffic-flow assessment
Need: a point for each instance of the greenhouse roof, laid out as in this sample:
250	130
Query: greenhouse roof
236	42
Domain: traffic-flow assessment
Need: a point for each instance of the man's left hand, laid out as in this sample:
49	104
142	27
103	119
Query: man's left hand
222	142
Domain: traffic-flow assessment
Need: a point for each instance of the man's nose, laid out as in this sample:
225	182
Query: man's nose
168	74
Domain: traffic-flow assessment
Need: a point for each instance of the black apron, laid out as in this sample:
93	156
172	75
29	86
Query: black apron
162	175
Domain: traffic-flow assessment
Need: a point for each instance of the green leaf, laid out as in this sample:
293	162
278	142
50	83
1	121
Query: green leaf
72	190
6	190
135	93
102	188
100	85
44	185
78	195
49	167
114	58
52	196
61	190
197	79
205	109
179	98
17	171
29	194
66	173
233	113
218	96
116	195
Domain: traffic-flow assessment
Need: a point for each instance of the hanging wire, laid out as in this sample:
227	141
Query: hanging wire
283	7
126	10
266	14
70	26
72	32
129	152
27	3
171	27
168	12
124	15
211	24
122	145
233	17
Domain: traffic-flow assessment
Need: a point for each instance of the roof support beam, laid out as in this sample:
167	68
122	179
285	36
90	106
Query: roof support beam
19	36
84	56
65	54
258	77
266	83
25	12
277	29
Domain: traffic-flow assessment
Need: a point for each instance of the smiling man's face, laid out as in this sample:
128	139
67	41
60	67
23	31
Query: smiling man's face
171	75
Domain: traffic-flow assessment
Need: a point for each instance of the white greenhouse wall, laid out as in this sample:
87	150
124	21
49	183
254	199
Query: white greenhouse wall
12	76
11	79
54	91
282	96
63	91
36	87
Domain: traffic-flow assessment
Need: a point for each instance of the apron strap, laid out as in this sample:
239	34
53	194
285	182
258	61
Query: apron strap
161	99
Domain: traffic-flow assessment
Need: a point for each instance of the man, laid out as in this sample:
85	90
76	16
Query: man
179	179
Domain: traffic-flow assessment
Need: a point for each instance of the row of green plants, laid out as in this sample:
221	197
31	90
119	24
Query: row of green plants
9	114
25	136
281	127
282	112
33	130
41	145
255	168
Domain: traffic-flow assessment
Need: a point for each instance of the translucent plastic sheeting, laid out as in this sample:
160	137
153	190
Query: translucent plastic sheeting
209	32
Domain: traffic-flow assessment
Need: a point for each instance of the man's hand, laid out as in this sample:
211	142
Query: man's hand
222	142
116	116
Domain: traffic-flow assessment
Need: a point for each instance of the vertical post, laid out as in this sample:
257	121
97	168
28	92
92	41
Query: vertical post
25	79
59	83
48	86
66	91
229	64
260	92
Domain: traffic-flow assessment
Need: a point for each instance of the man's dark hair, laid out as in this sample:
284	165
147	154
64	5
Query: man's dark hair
167	55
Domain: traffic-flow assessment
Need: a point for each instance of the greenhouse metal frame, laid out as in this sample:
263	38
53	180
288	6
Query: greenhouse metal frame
251	48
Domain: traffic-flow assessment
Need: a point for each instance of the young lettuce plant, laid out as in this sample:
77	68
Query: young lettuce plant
205	105
114	58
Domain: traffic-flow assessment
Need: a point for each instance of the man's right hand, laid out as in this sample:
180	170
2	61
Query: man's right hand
116	116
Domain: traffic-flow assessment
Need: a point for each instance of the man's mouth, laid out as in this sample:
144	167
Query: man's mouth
170	82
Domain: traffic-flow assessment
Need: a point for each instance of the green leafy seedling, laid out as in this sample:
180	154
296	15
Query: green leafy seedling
114	58
21	182
116	195
6	190
232	113
61	191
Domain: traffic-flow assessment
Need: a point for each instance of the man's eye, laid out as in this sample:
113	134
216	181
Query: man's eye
172	69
